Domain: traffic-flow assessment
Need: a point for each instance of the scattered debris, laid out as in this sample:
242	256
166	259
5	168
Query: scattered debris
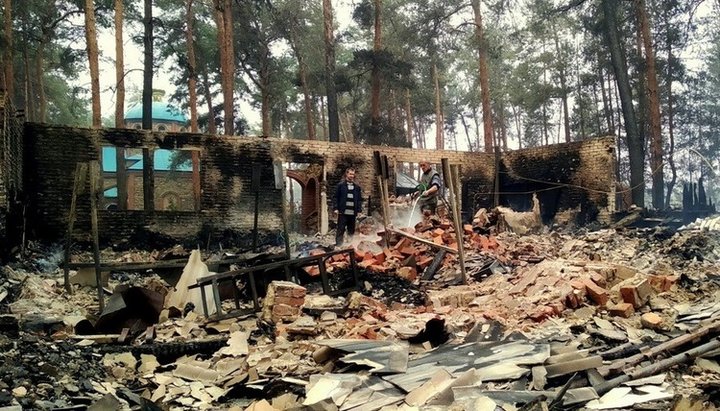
601	320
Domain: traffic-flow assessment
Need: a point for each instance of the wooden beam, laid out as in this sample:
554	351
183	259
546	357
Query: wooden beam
95	192
78	187
455	192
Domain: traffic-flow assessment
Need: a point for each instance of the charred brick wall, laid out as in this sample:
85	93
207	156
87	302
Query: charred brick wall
226	163
11	177
578	175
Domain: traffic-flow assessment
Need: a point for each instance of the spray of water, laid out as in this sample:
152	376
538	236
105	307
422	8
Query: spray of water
412	213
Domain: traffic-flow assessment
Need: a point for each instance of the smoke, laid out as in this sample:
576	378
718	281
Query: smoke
405	215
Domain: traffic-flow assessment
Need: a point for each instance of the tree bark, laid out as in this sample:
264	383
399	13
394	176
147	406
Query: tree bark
607	105
503	128
439	123
223	17
484	77
635	144
265	97
192	66
671	124
302	69
408	117
119	67
147	68
92	51
40	75
332	107
642	112
375	74
120	170
564	88
656	143
147	153
212	129
29	114
8	57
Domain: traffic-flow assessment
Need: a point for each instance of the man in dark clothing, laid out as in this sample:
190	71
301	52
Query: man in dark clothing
347	205
431	189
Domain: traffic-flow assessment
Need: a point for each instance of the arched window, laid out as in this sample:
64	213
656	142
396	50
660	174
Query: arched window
170	201
162	128
137	127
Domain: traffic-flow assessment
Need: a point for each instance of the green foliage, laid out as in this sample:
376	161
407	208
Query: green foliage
383	133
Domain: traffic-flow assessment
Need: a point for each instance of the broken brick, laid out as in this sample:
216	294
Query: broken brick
366	263
637	294
409	250
623	310
408	273
283	301
404	242
379	258
662	283
598	294
652	321
598	279
379	268
578	285
542	313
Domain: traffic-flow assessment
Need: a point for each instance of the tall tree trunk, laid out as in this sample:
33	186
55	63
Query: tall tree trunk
29	113
635	143
671	123
212	129
119	66
467	131
307	99
120	170
8	57
408	117
192	65
439	123
656	144
503	127
323	120
40	76
546	134
375	74
598	121
484	77
92	52
474	111
302	69
333	120
581	108
518	127
642	113
147	92
223	17
265	99
147	99
607	105
564	89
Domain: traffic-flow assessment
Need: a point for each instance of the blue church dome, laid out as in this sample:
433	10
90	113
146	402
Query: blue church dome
160	112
